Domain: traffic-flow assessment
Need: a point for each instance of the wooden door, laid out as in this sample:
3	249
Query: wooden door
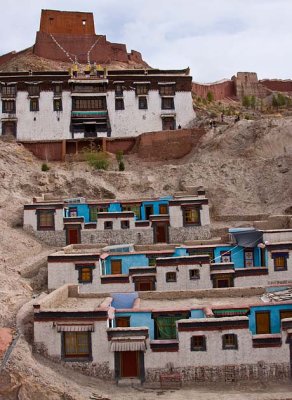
161	233
122	322
116	266
263	322
73	236
129	364
9	128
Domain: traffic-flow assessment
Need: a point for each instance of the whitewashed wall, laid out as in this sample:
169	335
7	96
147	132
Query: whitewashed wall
30	219
132	122
46	126
280	235
116	223
176	216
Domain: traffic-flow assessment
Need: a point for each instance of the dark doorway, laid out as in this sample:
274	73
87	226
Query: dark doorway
90	130
9	128
168	124
129	364
148	211
222	282
161	232
116	267
144	286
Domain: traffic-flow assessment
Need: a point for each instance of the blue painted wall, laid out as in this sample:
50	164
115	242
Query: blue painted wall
128	260
237	255
197	314
274	316
82	211
138	319
115	207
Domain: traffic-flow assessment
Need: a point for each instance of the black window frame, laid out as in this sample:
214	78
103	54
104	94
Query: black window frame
34	90
125	224
171	273
36	102
226	346
164	90
80	268
119	104
198	347
165	100
56	91
48	227
108	225
11	110
185	222
55	101
285	256
119	90
142	89
143	106
194	277
9	91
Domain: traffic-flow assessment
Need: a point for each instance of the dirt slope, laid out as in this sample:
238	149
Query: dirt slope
246	169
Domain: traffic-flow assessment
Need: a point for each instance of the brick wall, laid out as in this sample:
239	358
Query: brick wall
7	57
66	22
220	90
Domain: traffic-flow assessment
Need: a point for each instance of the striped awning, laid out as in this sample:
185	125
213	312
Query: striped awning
75	328
131	343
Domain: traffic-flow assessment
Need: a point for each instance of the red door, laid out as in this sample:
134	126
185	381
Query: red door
129	364
73	236
161	233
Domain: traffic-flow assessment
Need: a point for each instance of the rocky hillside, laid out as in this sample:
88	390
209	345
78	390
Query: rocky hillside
246	168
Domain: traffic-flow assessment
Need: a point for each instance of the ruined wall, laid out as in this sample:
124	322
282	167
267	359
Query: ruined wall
247	84
220	90
66	22
277	85
7	57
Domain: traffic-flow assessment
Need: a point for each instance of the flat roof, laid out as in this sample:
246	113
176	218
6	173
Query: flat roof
77	304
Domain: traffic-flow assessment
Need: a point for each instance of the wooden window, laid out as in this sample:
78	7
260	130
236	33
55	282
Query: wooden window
142	89
208	252
198	343
125	224
89	104
167	103
93	213
248	258
229	341
134	208
285	314
119	90
8	106
170	276
34	104
225	256
263	324
165	325
58	106
223	281
191	216
194	274
45	219
34	90
143	103
108	224
119	104
116	267
163	209
9	91
85	273
280	261
77	345
122	322
167	90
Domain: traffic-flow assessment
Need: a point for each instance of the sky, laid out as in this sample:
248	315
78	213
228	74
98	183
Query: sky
215	38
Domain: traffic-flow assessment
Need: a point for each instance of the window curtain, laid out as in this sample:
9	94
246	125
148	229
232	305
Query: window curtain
166	327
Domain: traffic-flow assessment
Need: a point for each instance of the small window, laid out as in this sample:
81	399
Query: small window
119	90
170	276
167	103
8	106
85	275
122	322
152	262
280	261
198	343
58	89
84	22
142	89
225	256
34	90
58	106
108	224
77	345
163	209
120	104
45	220
93	213
9	91
167	90
73	212
191	216
143	103
194	274
34	104
125	224
229	342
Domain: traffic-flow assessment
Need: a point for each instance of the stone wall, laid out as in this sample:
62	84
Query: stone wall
260	371
180	235
220	90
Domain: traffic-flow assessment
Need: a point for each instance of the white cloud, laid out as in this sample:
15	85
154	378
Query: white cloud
216	38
